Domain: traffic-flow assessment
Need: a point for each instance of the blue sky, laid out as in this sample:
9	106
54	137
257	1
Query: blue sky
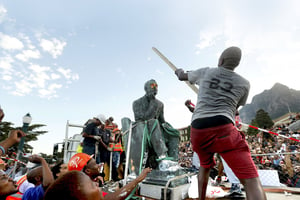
71	60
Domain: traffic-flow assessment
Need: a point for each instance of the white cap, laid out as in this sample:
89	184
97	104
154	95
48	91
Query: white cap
101	118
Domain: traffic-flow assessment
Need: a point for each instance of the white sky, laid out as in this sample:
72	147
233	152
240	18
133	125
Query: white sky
71	60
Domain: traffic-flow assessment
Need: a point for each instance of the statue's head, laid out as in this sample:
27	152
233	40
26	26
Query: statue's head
151	88
230	58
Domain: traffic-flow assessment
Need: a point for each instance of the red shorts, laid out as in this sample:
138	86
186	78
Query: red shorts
229	143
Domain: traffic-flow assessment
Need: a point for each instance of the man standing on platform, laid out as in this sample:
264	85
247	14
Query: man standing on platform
221	92
105	138
91	137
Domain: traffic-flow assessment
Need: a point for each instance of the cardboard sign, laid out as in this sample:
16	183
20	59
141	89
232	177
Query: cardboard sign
269	177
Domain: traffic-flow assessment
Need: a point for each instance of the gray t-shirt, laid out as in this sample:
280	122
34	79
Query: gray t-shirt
220	92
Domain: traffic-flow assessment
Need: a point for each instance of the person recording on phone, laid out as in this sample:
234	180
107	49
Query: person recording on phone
13	137
7	185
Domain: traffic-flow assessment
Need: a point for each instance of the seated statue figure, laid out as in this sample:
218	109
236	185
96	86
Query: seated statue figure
153	139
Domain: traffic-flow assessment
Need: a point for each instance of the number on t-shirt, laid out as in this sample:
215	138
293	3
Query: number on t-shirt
217	84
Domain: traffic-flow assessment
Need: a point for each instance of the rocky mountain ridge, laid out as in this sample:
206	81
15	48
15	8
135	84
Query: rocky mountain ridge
277	101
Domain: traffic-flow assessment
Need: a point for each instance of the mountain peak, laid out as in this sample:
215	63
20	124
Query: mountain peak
277	101
279	86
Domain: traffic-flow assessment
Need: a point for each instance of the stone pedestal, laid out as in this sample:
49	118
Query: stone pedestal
171	185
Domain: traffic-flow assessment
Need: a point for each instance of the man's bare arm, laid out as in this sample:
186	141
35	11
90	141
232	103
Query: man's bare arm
125	191
13	138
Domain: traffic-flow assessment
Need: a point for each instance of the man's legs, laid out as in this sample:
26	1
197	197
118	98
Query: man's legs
220	170
246	171
203	176
254	189
235	182
115	164
252	186
89	149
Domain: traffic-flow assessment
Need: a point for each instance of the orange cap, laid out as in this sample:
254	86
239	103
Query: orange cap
78	161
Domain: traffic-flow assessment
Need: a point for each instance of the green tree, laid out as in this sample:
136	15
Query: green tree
31	135
263	119
5	127
252	131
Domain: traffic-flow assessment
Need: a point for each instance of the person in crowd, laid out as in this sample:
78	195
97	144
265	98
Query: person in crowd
8	189
2	166
23	184
40	176
110	125
63	188
86	164
104	149
90	135
59	169
74	185
1	114
13	137
116	148
221	92
235	189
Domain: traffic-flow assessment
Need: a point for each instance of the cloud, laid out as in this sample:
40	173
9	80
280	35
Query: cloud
55	86
21	70
67	73
27	54
3	12
54	76
39	75
50	92
6	63
55	47
207	38
10	43
6	77
23	87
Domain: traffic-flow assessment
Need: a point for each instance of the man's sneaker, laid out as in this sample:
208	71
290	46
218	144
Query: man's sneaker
235	191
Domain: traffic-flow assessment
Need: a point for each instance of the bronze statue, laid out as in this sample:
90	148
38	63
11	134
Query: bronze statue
153	138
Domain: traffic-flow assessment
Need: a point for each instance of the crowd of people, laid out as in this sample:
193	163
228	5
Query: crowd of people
103	139
77	179
185	158
269	152
278	153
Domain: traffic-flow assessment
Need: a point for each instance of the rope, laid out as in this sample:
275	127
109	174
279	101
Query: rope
267	131
144	141
13	159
